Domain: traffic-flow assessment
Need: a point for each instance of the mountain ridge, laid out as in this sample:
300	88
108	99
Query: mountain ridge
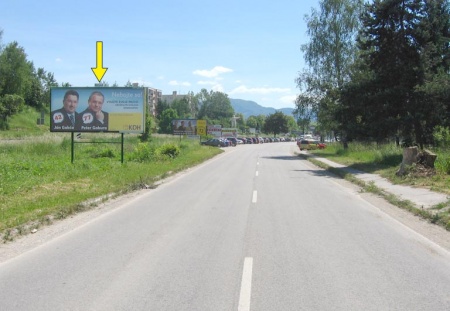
251	108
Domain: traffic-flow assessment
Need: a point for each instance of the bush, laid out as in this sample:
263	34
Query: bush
442	163
105	153
142	153
168	150
441	136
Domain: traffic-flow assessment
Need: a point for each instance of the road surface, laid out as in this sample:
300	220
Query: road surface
256	228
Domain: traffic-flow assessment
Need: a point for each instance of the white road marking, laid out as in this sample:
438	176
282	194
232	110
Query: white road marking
257	173
255	196
246	285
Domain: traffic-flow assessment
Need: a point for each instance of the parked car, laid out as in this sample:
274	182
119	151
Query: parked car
310	144
226	142
233	141
214	142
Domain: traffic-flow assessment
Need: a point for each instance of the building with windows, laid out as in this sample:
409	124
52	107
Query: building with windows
154	95
170	98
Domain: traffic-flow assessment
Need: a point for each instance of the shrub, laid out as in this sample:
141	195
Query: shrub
441	136
168	150
142	153
105	153
442	164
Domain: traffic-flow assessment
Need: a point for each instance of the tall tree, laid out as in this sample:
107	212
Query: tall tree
252	122
160	107
276	123
47	81
165	123
15	71
329	55
182	107
405	45
214	106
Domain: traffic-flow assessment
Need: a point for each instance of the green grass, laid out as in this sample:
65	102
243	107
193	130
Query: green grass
385	160
38	181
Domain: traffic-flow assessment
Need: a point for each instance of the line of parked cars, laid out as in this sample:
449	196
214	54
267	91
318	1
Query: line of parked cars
232	141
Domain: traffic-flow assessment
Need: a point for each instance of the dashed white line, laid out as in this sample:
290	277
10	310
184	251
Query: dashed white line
256	174
246	285
255	196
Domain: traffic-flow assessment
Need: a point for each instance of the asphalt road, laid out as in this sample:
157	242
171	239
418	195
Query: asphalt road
253	229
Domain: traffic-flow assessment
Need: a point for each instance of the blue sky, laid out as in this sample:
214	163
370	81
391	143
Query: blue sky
247	49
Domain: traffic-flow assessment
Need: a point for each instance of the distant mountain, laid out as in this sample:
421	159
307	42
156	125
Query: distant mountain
250	108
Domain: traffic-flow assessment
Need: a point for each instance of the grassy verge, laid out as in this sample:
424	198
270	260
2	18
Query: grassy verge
38	183
385	161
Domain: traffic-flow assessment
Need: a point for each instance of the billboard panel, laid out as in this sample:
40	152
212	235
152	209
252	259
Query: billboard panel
229	132
215	130
184	126
98	109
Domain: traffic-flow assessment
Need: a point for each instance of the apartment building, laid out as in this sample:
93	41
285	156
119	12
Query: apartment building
154	95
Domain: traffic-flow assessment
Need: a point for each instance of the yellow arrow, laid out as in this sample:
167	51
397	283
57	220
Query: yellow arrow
99	71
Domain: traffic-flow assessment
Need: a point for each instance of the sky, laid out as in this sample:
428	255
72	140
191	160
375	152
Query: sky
247	49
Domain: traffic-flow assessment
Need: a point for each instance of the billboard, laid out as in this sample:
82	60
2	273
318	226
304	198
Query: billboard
229	132
98	109
184	126
215	130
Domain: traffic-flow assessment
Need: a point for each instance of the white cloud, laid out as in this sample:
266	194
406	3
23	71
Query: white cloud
288	99
207	82
213	72
58	60
217	88
176	83
259	90
160	78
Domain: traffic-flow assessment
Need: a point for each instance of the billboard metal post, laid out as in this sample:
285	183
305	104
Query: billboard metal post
72	151
121	157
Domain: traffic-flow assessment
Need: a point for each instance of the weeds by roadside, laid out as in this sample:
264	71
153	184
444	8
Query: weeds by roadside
38	183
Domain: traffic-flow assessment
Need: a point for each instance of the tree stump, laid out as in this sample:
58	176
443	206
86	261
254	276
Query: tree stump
409	157
426	158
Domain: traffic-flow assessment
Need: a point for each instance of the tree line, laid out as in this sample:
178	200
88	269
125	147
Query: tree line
377	71
21	84
215	107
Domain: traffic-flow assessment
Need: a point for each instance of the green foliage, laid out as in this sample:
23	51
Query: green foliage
37	179
15	71
104	153
9	105
276	123
330	54
442	163
441	136
148	126
214	105
401	84
165	123
181	106
142	153
252	122
167	151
